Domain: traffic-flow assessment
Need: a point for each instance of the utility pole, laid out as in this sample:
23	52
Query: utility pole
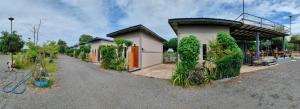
291	25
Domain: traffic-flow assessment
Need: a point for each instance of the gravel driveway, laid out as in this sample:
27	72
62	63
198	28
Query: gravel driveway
83	86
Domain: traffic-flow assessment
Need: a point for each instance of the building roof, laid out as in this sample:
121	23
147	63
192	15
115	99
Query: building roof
98	39
238	30
135	28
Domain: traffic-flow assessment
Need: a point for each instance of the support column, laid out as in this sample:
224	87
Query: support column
283	44
257	45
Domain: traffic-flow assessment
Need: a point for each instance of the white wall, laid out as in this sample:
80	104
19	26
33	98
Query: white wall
135	37
152	53
204	34
95	46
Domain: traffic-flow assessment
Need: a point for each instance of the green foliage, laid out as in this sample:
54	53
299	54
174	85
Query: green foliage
170	54
203	75
189	49
170	57
85	50
120	46
295	38
180	75
108	55
277	43
291	47
77	53
62	46
226	54
84	38
165	46
173	44
50	48
11	42
216	51
70	52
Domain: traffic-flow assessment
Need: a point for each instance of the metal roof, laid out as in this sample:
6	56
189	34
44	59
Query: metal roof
238	30
135	28
98	39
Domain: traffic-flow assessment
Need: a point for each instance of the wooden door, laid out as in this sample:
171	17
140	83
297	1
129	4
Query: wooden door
135	53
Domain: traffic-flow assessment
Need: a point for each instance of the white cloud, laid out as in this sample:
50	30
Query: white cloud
67	19
155	13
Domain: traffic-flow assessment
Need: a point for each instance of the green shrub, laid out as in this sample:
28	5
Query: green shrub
108	55
189	49
227	56
180	75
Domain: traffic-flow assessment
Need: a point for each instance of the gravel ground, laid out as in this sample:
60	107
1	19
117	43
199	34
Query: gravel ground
83	86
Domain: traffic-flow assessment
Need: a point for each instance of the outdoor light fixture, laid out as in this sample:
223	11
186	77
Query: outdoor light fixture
11	19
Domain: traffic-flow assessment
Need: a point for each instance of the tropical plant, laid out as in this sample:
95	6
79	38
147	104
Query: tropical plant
189	49
11	43
108	55
227	56
84	38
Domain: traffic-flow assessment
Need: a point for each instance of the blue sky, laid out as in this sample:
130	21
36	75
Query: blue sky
68	19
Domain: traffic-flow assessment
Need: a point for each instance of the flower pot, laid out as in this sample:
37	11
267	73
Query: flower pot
41	83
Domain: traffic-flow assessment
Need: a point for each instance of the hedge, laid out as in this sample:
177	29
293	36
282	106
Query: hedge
230	64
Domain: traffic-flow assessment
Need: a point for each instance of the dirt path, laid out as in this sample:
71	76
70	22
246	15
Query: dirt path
82	86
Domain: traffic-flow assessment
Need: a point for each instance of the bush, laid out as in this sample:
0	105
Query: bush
180	75
227	56
189	54
189	49
108	55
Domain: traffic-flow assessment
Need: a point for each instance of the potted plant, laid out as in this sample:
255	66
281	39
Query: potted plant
40	75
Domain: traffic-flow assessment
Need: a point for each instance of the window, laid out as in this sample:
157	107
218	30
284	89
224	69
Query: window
204	49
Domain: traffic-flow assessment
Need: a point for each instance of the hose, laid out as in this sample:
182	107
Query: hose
9	88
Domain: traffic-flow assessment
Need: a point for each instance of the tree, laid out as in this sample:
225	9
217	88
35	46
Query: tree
165	46
173	44
50	48
62	46
84	38
295	38
277	43
11	43
294	45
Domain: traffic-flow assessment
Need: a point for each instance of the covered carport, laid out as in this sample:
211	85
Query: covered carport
256	28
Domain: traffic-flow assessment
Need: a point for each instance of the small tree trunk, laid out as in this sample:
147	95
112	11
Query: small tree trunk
12	59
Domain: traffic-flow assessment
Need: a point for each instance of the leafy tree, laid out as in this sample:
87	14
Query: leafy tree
62	46
277	43
165	46
295	38
294	46
50	48
84	38
173	44
11	43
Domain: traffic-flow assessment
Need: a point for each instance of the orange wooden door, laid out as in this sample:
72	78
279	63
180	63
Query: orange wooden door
135	52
